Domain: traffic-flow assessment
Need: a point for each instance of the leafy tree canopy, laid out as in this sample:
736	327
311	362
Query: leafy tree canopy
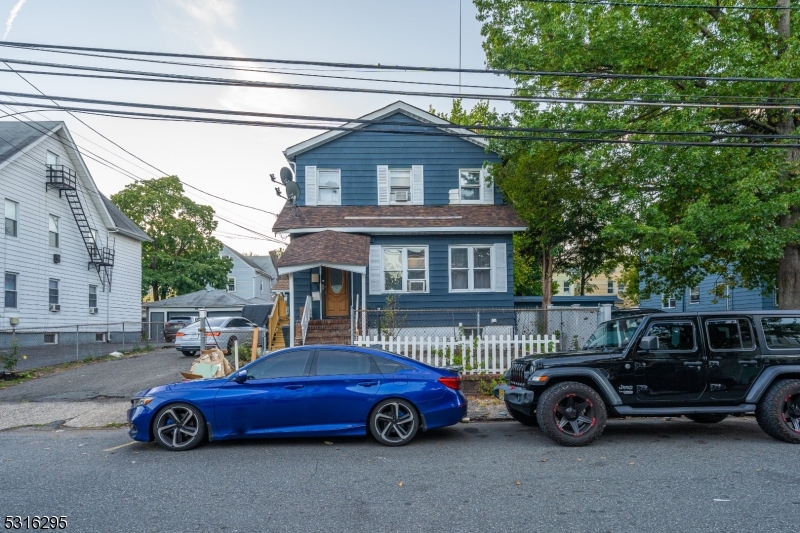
184	255
680	213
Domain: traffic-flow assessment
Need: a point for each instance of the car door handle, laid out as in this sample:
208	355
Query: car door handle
293	387
693	363
368	383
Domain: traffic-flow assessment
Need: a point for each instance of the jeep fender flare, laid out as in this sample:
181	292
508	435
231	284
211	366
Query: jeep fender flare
766	378
599	378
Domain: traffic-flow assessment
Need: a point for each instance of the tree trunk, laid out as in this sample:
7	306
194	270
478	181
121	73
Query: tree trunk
547	285
154	288
789	266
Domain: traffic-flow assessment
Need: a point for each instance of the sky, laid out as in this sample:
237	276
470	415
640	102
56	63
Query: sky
234	162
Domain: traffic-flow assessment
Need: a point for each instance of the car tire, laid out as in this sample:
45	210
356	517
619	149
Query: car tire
394	422
778	412
522	418
179	427
231	340
189	353
707	418
572	414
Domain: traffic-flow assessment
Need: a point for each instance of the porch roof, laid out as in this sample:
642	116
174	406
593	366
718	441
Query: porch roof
346	251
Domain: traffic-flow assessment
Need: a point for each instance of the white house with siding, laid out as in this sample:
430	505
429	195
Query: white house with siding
69	256
250	277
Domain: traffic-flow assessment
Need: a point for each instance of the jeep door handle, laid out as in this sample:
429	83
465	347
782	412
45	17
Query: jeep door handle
293	387
693	363
368	383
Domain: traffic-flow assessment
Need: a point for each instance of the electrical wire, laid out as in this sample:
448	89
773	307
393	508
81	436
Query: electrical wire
506	72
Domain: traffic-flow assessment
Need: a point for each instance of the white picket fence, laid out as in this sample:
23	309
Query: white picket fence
491	354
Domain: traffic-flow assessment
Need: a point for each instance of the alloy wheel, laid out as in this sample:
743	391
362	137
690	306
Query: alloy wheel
178	427
574	415
791	412
395	422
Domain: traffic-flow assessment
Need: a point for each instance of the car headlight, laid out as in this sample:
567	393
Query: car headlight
139	402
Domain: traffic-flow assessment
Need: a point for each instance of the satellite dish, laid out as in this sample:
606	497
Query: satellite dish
292	190
286	175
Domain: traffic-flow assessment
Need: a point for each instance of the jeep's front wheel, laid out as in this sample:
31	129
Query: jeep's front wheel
778	412
572	414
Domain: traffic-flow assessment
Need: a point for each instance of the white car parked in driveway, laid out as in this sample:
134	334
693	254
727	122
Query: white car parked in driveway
221	332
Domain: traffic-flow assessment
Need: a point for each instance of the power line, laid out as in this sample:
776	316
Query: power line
506	72
612	3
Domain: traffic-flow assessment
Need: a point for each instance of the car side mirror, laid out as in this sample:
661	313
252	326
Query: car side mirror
648	343
240	376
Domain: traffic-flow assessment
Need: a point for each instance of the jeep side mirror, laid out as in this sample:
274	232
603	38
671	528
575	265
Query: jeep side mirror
648	343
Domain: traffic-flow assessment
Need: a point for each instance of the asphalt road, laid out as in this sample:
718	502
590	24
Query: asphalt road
643	475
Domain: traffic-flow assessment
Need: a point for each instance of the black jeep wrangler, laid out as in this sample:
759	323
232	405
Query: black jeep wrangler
704	366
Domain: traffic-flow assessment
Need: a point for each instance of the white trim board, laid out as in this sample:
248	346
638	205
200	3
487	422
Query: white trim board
305	266
397	107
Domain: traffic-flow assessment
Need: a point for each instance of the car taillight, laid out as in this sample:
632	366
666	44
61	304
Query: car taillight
451	382
179	334
212	333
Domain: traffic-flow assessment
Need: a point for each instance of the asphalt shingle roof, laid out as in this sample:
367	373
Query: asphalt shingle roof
123	223
204	298
333	247
15	135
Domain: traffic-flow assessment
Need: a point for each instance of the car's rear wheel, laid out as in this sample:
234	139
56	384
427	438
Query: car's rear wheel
179	427
572	414
189	353
522	418
778	412
707	418
231	341
394	422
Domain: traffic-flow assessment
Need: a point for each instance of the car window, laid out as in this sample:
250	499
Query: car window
677	336
215	322
730	334
283	365
237	323
388	367
343	362
781	332
613	334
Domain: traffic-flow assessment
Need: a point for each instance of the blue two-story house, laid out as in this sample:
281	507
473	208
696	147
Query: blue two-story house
712	295
395	203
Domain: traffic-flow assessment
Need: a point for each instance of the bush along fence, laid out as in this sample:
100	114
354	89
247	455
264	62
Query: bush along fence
491	354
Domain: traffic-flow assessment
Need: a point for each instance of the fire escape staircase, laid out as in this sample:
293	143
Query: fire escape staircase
101	258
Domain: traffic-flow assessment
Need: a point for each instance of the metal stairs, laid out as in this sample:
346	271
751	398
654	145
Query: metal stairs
100	258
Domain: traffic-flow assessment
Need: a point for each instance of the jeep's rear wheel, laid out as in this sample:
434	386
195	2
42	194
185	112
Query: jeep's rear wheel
707	418
778	412
572	414
519	416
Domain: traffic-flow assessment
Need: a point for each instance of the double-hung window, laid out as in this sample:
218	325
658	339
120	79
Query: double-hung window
567	287
610	286
667	302
52	159
405	269
400	185
470	268
469	185
694	295
11	213
53	230
330	187
231	284
53	292
92	296
11	290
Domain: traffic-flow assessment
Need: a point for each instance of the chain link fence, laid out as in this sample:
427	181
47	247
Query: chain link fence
28	348
572	326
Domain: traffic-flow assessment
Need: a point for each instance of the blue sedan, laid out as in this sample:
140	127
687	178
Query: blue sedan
303	392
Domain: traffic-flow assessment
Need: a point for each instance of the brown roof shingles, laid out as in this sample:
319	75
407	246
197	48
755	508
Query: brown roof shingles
331	247
398	216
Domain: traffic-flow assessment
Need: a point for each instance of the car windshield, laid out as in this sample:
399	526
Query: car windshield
613	334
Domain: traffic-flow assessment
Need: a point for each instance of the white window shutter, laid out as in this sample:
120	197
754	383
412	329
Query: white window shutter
500	269
311	185
488	188
417	185
383	184
375	271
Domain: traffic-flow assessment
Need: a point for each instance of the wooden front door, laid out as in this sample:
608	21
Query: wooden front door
337	292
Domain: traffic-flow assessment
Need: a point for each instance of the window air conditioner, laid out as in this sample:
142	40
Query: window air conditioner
401	196
56	258
55	307
416	286
92	310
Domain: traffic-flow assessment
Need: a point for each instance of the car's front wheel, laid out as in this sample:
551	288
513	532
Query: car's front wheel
519	416
572	414
778	412
394	422
189	353
179	427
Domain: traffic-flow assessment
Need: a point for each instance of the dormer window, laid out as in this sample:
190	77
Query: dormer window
469	185
400	185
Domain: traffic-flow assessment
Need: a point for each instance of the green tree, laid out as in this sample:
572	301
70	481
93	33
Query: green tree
690	211
184	255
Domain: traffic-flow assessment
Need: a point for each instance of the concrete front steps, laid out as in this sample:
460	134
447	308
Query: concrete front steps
325	331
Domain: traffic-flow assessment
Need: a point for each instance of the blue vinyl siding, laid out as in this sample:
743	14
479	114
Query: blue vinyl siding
740	300
439	271
358	155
